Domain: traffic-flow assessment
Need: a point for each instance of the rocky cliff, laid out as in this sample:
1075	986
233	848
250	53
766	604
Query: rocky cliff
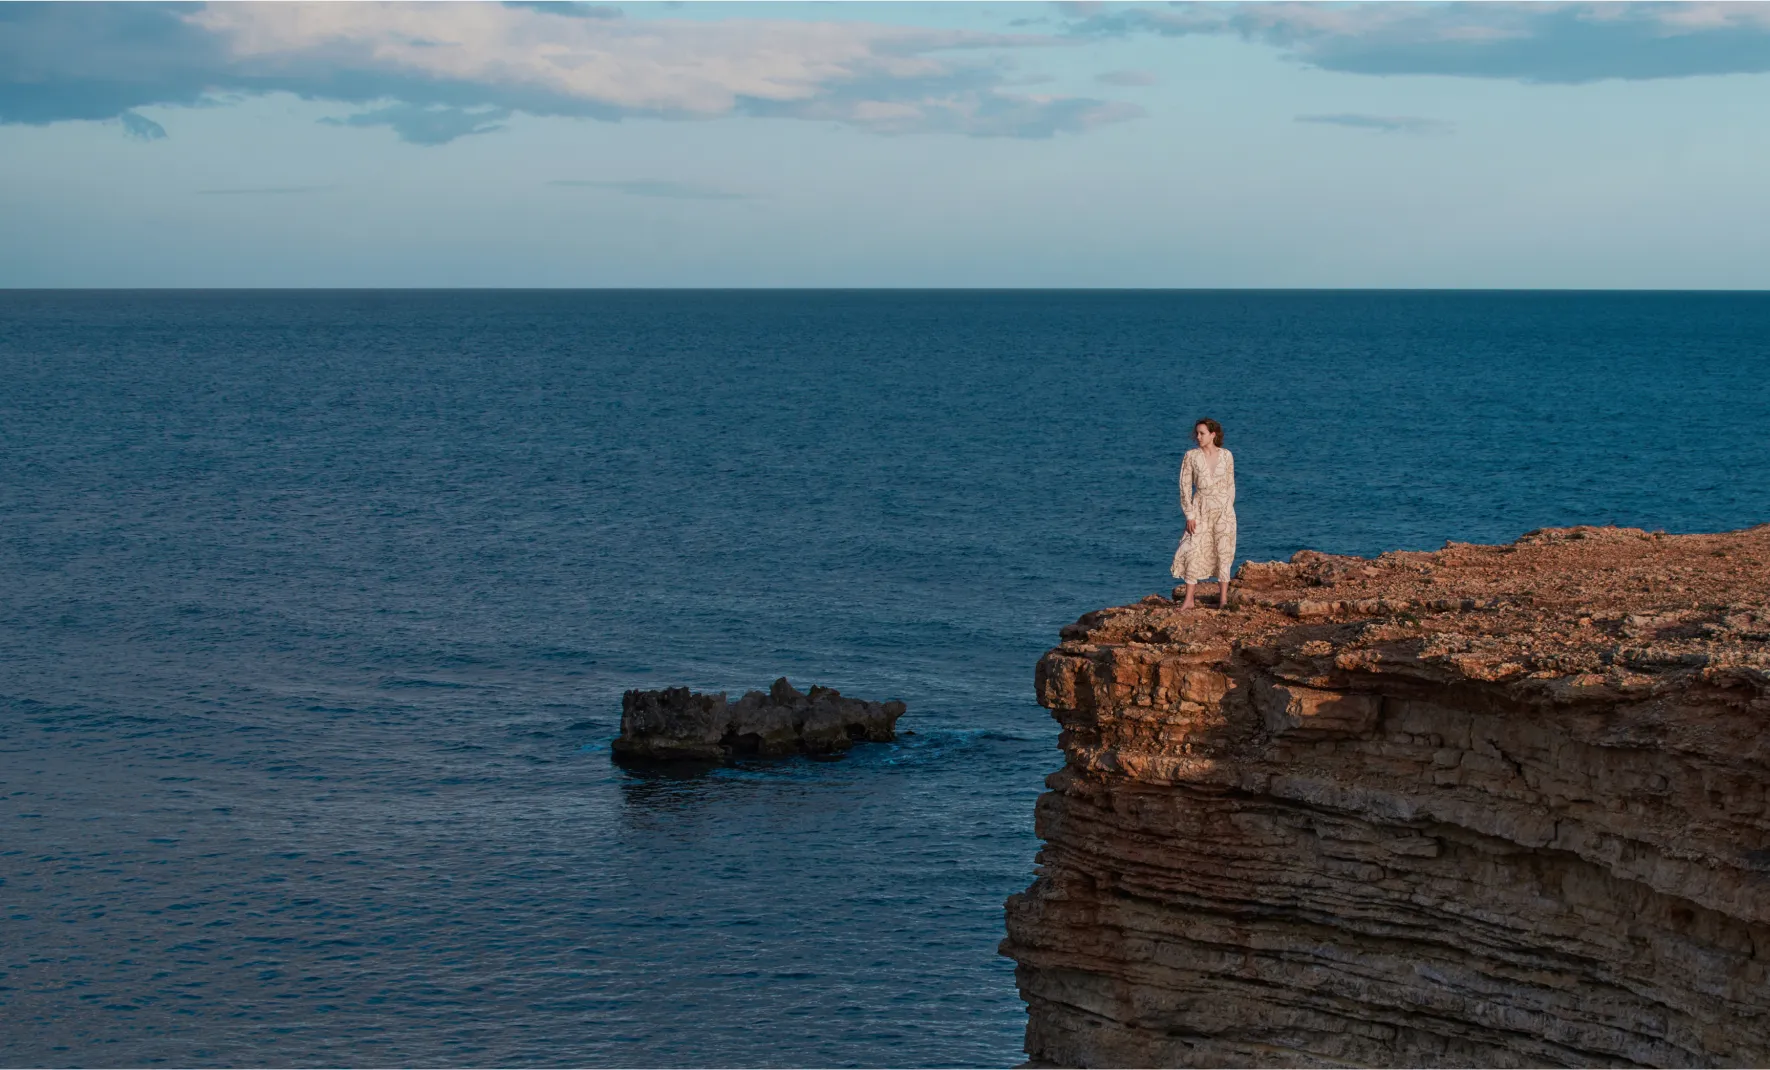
1492	805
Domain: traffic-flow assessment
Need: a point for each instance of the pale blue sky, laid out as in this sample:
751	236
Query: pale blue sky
858	144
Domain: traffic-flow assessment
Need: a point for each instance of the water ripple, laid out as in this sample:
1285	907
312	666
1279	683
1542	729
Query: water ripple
316	610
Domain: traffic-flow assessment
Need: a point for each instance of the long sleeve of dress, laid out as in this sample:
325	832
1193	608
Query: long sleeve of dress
1229	474
1188	483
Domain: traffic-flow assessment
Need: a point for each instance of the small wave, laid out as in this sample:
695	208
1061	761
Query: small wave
581	657
392	682
938	744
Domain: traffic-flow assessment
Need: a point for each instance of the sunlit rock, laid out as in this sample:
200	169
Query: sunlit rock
1488	806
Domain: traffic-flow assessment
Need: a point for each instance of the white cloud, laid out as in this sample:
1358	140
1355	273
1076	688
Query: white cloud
141	127
888	78
656	187
429	69
662	66
1130	78
1389	124
1530	42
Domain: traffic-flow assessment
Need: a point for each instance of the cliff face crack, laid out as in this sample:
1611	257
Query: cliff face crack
1497	806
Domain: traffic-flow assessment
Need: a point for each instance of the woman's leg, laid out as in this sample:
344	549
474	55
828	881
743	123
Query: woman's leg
1223	548
1190	584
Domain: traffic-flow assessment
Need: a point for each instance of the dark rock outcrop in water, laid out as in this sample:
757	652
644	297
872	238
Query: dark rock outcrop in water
677	724
1488	806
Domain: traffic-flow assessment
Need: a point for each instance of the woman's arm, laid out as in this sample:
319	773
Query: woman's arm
1187	481
1229	474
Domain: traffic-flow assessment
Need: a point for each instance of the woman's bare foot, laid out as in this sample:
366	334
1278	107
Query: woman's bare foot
1223	596
1188	603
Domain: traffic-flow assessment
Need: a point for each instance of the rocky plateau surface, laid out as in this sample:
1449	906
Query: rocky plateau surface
1484	806
677	724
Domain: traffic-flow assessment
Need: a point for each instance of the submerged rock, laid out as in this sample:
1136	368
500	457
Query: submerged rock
677	724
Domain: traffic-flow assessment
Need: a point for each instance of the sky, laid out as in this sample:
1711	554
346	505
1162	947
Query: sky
813	144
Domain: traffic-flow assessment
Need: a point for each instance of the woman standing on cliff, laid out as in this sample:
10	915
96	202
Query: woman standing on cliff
1207	497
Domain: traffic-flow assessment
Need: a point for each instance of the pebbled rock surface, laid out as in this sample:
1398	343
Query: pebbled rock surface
677	724
1487	806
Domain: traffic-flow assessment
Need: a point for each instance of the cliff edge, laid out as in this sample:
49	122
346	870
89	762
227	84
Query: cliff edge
1490	805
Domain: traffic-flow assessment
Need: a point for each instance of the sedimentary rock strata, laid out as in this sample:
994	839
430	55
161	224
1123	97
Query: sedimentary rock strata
677	724
1492	805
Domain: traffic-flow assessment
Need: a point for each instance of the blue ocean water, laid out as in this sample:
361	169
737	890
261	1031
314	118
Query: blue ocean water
316	609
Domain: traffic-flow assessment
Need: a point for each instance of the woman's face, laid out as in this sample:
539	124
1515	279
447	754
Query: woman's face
1203	435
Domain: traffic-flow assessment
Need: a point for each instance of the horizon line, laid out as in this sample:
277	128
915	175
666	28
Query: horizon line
884	289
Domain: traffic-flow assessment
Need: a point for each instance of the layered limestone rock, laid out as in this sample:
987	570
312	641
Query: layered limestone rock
677	724
1488	806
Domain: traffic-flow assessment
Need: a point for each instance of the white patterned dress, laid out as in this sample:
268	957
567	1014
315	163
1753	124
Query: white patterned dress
1207	497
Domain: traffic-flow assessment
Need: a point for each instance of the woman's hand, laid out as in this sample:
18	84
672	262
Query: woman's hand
1191	527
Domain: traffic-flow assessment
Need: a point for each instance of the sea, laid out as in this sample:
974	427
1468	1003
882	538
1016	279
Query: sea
316	610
